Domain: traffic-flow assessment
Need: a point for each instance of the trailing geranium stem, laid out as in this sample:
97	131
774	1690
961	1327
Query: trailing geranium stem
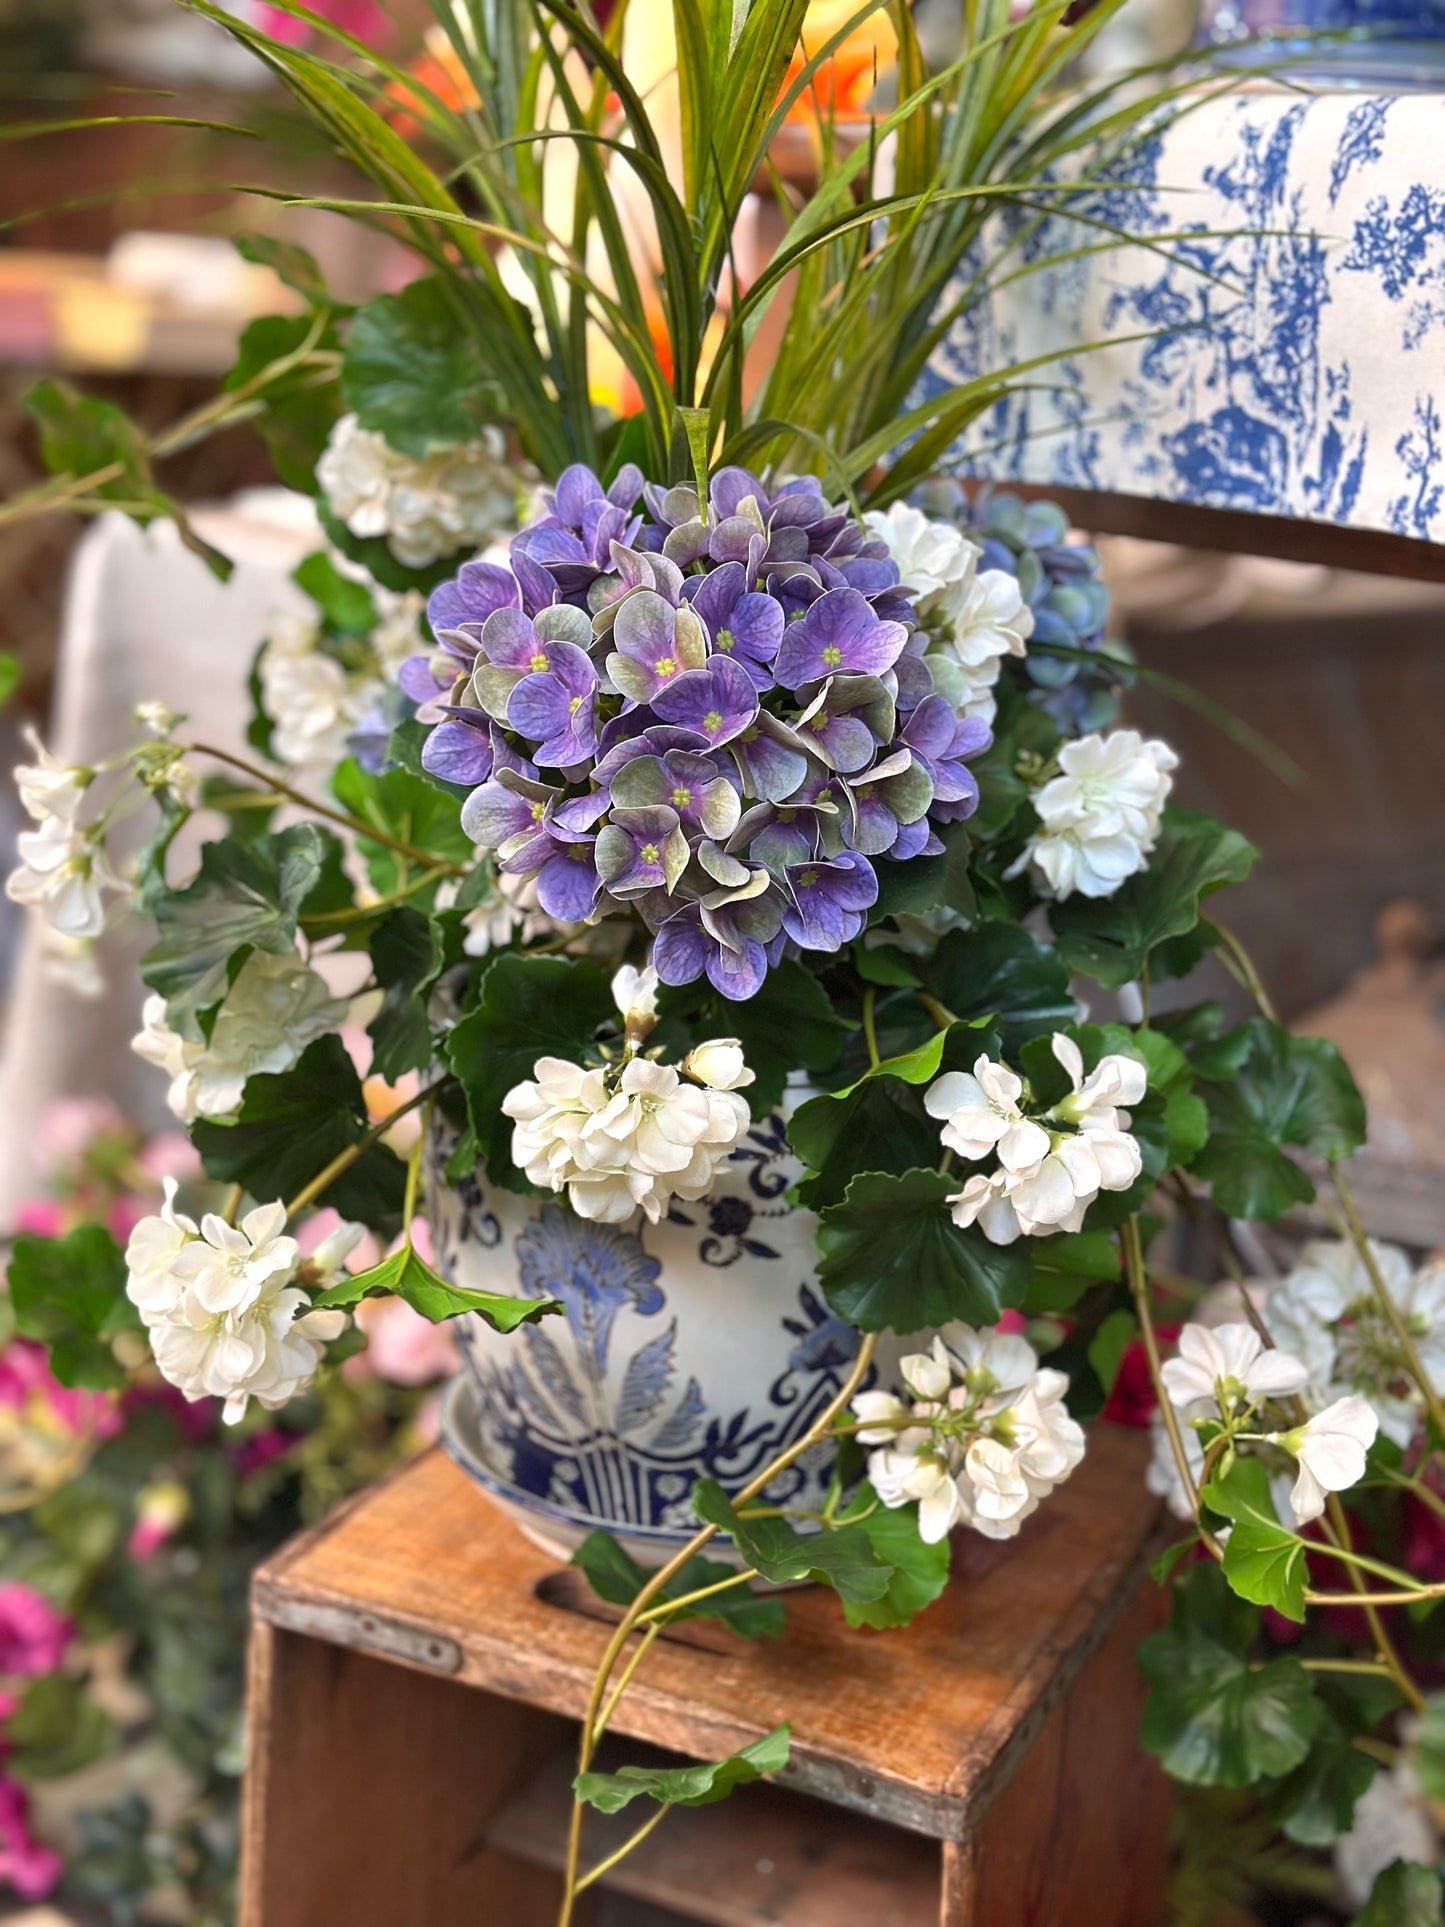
691	1598
345	1159
636	1839
1133	1254
352	823
594	1722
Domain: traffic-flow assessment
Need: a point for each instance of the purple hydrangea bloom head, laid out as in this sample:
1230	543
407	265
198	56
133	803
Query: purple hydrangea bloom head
558	704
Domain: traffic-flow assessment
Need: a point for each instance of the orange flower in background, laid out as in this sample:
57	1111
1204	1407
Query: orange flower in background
845	83
437	70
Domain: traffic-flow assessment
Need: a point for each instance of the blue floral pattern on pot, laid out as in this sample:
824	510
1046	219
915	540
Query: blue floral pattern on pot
700	1347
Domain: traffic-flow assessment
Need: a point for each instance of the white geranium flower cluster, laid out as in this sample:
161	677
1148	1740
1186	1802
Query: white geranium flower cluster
1051	1166
276	1007
1327	1312
426	506
226	1316
314	700
63	870
1099	817
1225	1376
978	616
629	1137
983	1436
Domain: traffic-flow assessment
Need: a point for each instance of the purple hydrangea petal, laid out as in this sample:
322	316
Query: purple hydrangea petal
474	592
459	752
719	701
567	883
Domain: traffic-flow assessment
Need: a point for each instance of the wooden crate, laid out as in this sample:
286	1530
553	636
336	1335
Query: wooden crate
417	1671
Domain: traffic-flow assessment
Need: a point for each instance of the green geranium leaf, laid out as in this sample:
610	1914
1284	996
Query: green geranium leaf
885	966
877	1124
246	896
1404	1895
408	808
1264	1561
920	1572
56	1730
415	372
840	1556
1286	1091
1063	1267
69	1295
346	605
9	676
616	1577
407	1275
1001	971
406	954
892	1259
1107	1347
1315	1804
1212	1718
291	264
1110	939
528	1007
928	882
686	1786
292	1124
300	411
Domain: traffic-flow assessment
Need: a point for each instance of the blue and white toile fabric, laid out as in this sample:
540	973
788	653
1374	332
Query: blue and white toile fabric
1294	309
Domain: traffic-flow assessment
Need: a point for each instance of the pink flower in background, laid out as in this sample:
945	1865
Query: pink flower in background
402	1347
359	17
34	1636
320	1225
69	1127
45	1217
32	1870
28	1386
264	1448
160	1512
171	1154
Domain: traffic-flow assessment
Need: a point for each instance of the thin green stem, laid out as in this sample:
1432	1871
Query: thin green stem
352	823
1248	975
345	1159
327	920
940	1013
644	1647
635	1840
1345	1666
691	1598
870	1032
1134	1271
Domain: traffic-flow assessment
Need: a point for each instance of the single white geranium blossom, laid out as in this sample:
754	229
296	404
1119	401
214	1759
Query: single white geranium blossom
1100	817
49	788
63	873
635	990
1330	1451
1226	1369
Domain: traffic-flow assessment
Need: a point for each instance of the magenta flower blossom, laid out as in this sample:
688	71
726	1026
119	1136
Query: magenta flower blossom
829	901
34	1637
718	701
839	632
33	1870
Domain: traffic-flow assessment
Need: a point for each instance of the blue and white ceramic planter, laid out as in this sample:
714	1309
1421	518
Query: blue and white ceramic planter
700	1347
